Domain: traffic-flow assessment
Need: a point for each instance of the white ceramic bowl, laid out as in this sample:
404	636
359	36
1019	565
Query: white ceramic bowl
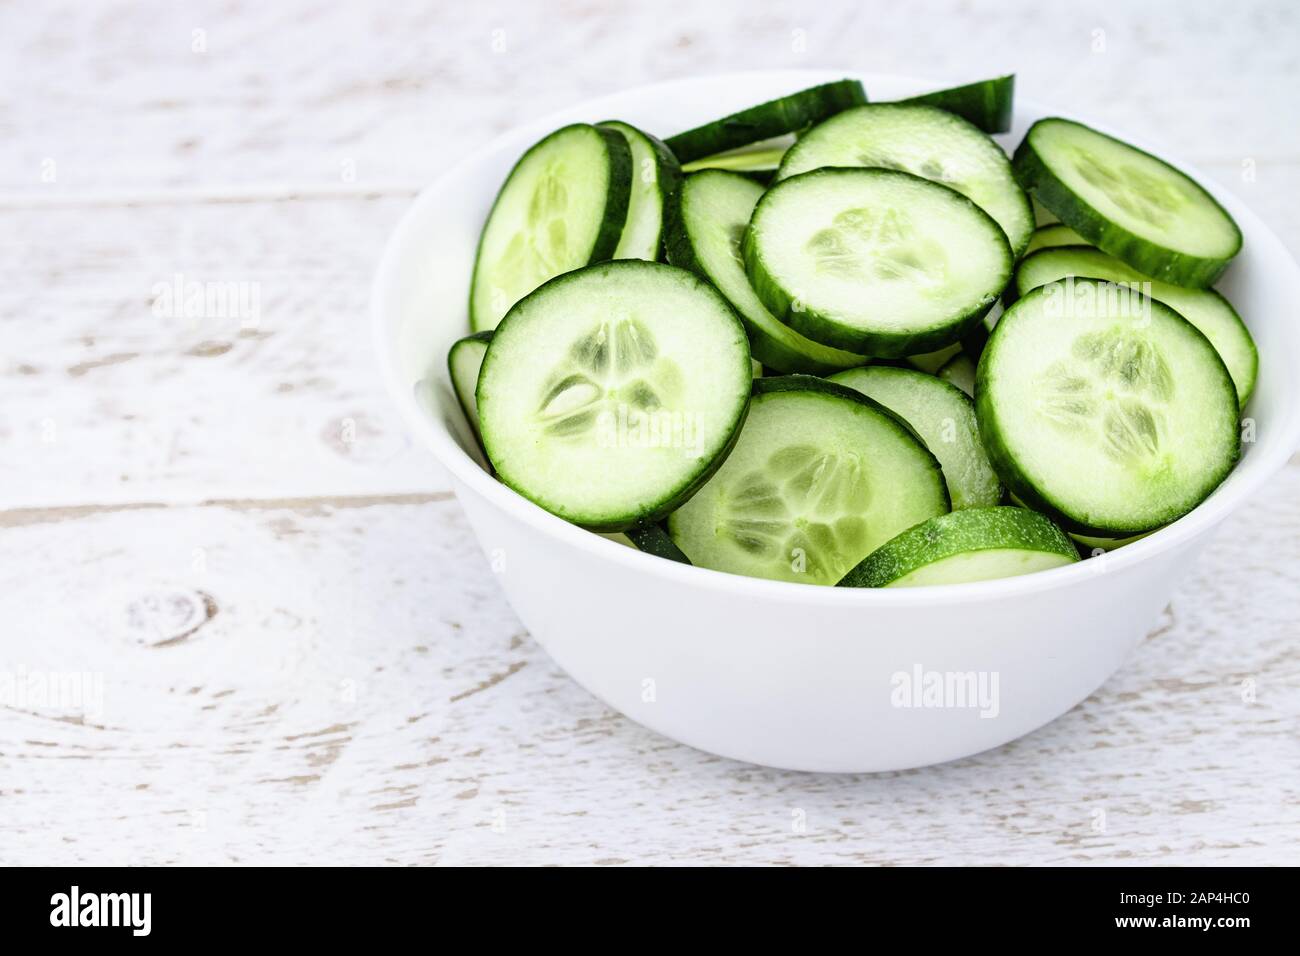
791	675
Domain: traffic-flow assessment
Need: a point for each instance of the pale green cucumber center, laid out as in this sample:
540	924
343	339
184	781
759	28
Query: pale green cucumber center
805	506
612	374
881	244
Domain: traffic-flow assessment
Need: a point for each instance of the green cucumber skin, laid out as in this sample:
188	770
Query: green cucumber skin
653	539
617	197
986	103
1008	470
766	120
683	493
770	352
1147	257
821	328
958	532
669	170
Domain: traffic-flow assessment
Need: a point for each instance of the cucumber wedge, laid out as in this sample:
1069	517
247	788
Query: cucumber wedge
925	141
1128	203
767	120
978	544
1204	308
986	103
705	226
820	477
655	180
562	207
1105	409
464	360
611	393
1052	235
874	261
944	418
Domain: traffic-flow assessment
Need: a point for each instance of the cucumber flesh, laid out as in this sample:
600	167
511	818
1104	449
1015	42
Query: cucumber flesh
767	120
562	206
708	219
944	419
1104	409
820	477
464	360
960	372
978	544
611	393
925	141
931	362
655	179
874	261
1052	235
756	157
1206	309
986	103
1128	203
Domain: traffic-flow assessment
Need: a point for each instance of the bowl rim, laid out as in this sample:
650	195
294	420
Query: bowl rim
1265	460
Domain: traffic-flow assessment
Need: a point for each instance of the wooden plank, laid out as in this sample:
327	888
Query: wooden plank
311	684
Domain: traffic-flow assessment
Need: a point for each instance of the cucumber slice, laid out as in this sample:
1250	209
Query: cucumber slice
960	372
464	360
925	141
1042	215
1204	308
1105	409
820	477
1052	235
874	261
978	544
944	418
610	394
705	227
756	157
1128	203
767	120
562	206
1093	543
653	539
655	179
931	362
986	103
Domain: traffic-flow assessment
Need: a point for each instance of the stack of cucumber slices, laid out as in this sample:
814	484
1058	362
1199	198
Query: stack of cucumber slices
822	341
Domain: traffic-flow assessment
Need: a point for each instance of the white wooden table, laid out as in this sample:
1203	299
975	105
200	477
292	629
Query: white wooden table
241	618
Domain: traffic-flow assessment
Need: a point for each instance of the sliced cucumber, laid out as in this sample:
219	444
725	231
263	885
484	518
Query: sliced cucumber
944	418
767	120
986	103
1105	409
1127	202
756	157
874	261
960	371
464	360
1052	235
562	206
925	141
1042	215
1093	543
653	539
655	179
978	544
931	362
705	227
610	394
820	477
1204	308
